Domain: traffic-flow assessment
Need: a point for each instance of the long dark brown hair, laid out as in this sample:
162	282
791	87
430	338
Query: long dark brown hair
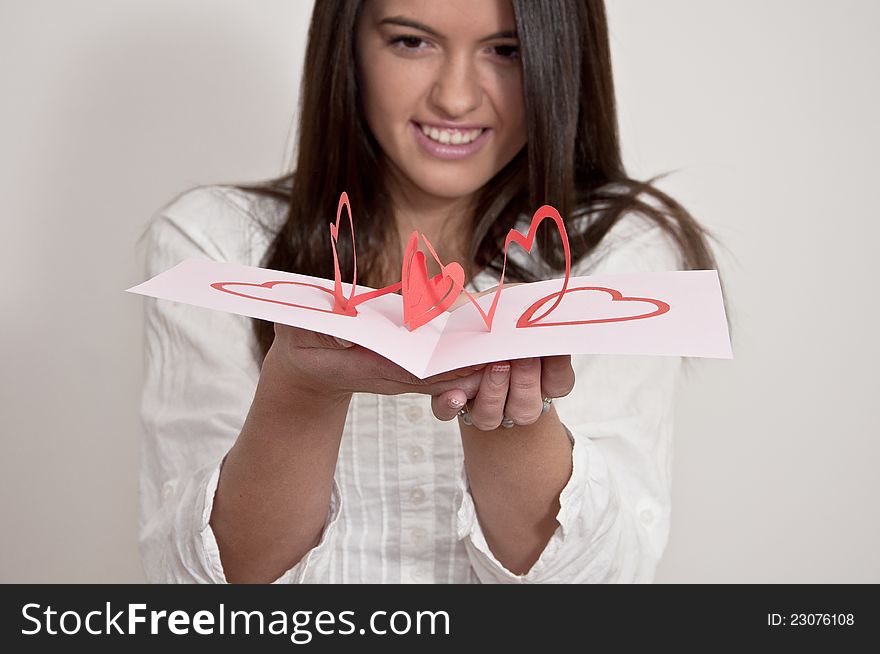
572	159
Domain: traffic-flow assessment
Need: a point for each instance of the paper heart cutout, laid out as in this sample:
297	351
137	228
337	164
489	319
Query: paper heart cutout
341	304
347	306
426	298
527	242
224	287
356	299
526	320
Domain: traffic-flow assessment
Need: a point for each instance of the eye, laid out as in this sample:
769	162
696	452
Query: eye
407	43
510	52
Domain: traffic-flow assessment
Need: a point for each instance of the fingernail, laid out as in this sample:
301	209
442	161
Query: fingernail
455	403
499	371
343	343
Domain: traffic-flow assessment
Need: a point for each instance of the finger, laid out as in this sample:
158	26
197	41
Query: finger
453	374
524	395
557	376
361	368
468	378
487	409
469	386
383	385
447	405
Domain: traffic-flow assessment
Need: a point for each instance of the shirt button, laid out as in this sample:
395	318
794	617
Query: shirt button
414	413
416	453
418	573
417	496
646	516
167	490
418	535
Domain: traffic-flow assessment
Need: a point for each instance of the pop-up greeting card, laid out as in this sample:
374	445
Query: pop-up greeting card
418	324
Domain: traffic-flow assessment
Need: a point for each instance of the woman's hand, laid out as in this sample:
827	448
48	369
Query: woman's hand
508	389
326	367
513	389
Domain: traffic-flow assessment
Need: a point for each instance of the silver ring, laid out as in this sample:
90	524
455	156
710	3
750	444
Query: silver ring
506	422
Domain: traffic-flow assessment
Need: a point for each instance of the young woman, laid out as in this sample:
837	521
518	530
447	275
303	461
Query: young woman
274	454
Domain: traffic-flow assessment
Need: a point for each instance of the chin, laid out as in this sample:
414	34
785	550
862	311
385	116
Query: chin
450	189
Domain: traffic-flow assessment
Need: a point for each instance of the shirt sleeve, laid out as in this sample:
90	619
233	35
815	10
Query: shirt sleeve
200	375
614	516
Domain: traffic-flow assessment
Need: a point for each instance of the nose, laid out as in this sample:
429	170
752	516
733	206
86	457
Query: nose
456	91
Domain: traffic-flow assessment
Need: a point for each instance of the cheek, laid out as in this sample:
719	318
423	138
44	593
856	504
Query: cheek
391	90
374	89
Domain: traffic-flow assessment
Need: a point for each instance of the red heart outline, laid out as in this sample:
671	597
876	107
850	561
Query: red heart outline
356	299
222	286
526	320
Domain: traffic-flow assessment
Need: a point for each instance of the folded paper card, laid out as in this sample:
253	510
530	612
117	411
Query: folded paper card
608	314
676	313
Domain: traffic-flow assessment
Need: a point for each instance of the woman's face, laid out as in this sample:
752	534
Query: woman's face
450	69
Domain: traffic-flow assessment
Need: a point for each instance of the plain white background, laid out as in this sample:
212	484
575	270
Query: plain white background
766	108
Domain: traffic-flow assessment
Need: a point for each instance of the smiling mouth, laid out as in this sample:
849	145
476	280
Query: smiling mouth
447	136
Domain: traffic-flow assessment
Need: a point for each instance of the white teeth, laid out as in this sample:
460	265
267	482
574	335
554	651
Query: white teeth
454	137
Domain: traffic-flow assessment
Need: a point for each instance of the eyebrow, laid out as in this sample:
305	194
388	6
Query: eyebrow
408	22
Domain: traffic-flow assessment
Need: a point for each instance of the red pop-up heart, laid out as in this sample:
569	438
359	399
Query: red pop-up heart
341	304
424	299
527	242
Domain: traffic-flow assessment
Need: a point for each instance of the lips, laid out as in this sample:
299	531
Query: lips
448	150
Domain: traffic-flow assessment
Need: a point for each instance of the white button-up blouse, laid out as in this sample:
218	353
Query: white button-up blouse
401	510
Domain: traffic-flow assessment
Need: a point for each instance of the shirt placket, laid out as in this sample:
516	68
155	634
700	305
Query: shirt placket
416	466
